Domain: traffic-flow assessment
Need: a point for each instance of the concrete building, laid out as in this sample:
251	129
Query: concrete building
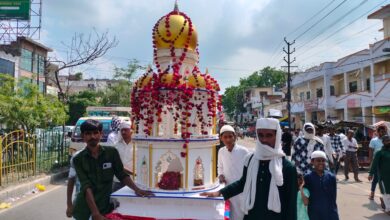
354	88
24	60
71	85
256	100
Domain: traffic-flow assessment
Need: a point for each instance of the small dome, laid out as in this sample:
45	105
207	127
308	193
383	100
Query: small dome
175	29
196	81
170	79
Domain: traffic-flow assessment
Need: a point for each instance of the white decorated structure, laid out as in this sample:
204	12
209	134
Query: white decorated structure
174	114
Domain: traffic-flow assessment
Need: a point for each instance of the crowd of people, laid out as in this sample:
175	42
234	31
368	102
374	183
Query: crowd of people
287	177
292	175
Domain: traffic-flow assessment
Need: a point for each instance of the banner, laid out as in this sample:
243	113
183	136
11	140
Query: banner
15	9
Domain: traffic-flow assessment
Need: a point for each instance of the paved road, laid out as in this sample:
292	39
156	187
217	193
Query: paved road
352	201
49	205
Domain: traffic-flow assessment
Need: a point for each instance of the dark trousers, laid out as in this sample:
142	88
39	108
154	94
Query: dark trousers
374	183
351	158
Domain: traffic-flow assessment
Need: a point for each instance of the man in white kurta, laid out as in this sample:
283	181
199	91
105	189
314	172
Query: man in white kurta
230	166
124	146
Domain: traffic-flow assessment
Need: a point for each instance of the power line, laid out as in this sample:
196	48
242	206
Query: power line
312	26
279	47
338	42
338	30
334	23
311	18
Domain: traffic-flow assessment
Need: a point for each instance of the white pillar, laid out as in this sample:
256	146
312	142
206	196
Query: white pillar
372	90
362	79
364	114
345	83
345	114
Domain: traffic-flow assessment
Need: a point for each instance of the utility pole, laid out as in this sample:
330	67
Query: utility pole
289	62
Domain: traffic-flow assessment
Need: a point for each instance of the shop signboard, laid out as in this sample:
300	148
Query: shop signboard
311	105
353	103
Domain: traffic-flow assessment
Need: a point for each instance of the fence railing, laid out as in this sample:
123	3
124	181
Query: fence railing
24	155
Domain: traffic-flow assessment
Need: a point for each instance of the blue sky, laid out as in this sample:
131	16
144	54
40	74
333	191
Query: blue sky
236	37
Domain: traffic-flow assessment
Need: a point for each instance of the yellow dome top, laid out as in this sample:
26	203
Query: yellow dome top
174	29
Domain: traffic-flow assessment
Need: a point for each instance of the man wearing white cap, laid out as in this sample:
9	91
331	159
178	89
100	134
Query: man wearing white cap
230	165
304	146
323	190
269	180
125	150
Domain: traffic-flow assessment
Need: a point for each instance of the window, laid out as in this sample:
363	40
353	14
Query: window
26	60
319	93
41	65
332	91
7	67
302	96
307	95
353	86
368	84
41	87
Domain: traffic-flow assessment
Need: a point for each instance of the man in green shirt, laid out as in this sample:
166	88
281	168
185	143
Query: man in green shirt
381	167
269	180
95	167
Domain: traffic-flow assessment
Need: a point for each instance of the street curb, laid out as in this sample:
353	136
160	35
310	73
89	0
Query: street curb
21	189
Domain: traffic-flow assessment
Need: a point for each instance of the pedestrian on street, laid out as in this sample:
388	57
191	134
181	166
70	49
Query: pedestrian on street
304	146
338	148
381	167
230	166
269	180
330	153
72	182
114	134
350	147
375	146
125	150
323	189
287	140
96	166
302	199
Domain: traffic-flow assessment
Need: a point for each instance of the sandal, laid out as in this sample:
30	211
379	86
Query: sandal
371	196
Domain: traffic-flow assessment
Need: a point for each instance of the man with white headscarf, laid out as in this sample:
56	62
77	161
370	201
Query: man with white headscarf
304	146
269	180
125	150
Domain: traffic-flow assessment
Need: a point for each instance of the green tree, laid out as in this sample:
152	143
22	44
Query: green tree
23	106
119	92
79	76
233	98
78	104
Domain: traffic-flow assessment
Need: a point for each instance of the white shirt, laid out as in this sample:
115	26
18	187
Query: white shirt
231	165
350	145
126	154
112	138
327	147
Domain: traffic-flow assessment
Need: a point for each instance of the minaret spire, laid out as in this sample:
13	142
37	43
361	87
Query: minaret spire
176	8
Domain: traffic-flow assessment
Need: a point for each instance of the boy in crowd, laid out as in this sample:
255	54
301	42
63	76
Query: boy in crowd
323	191
230	165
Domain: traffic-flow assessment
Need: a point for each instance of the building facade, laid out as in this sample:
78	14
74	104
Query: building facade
256	102
24	60
354	88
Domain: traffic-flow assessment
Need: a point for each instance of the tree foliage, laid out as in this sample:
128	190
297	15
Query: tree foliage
119	92
233	98
78	104
24	107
